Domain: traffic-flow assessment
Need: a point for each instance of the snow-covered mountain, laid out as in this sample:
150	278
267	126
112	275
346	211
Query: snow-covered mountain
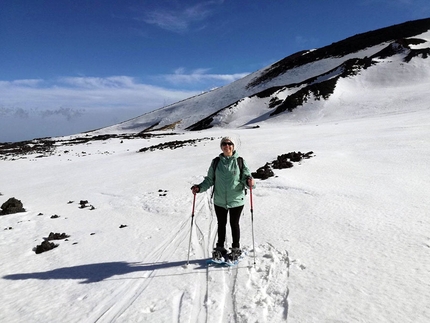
312	83
343	236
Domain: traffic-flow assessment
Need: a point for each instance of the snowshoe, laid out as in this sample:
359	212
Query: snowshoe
219	253
234	254
228	260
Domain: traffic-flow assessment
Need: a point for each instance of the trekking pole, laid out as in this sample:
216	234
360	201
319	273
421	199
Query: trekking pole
252	221
191	231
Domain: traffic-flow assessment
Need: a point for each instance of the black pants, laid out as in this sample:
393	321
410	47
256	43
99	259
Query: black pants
221	215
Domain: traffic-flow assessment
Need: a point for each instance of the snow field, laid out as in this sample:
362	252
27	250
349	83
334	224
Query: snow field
341	236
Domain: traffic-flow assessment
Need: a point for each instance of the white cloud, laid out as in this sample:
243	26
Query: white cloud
69	105
14	112
27	83
86	92
167	20
179	20
68	113
100	83
39	108
201	76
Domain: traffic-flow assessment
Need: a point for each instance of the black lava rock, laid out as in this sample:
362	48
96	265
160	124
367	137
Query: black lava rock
11	206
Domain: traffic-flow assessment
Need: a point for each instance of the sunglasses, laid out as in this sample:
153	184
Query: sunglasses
227	143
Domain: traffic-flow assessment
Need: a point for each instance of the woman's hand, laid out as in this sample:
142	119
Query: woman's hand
195	189
250	182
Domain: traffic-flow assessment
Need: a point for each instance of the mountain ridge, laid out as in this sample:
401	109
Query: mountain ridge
347	46
293	81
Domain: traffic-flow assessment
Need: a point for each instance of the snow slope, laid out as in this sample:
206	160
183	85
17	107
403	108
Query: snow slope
189	111
342	237
239	96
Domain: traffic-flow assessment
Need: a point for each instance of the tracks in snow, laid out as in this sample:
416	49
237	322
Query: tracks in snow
245	293
262	293
124	295
170	291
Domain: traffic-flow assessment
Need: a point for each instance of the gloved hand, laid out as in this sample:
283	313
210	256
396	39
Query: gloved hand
195	189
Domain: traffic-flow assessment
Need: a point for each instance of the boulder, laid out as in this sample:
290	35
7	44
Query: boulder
264	172
11	206
45	246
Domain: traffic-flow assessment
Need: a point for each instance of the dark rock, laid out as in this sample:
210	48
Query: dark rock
264	172
281	162
11	206
57	236
45	246
173	144
47	146
83	204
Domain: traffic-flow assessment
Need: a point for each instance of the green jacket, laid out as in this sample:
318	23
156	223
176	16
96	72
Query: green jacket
229	191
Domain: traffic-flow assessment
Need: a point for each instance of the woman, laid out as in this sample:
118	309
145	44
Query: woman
230	176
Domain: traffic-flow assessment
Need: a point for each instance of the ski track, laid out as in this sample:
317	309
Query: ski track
200	312
112	309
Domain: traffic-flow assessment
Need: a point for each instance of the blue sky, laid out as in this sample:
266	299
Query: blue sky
68	66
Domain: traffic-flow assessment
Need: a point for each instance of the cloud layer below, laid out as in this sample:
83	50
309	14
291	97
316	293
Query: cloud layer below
39	108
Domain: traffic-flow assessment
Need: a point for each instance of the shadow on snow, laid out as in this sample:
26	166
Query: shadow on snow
92	273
